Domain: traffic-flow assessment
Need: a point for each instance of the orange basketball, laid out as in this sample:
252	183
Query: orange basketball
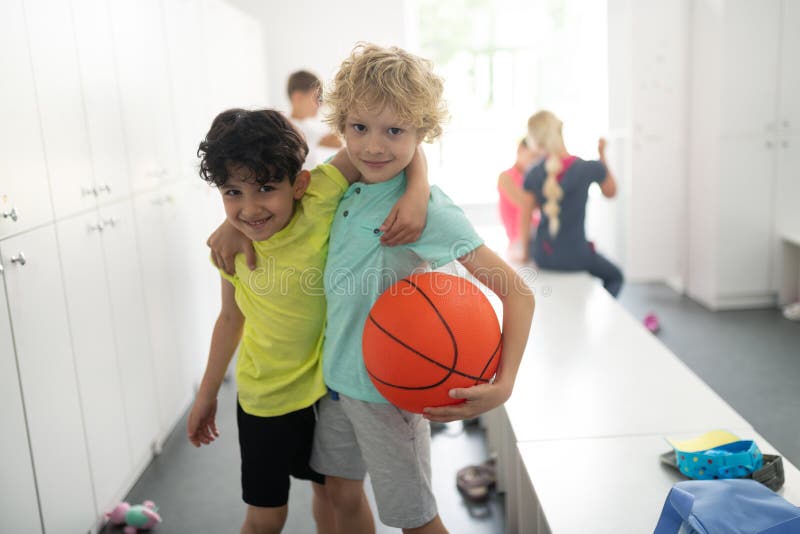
427	334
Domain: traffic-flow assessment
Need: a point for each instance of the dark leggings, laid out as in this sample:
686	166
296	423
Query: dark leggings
606	271
582	260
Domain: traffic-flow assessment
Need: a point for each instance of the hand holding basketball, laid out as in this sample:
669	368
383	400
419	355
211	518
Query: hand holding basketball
478	400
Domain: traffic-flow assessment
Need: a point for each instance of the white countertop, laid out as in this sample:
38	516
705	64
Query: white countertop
569	477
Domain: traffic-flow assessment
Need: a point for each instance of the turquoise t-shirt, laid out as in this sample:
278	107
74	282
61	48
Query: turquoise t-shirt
359	269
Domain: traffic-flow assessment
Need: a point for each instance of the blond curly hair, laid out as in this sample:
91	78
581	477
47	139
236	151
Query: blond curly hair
545	130
374	77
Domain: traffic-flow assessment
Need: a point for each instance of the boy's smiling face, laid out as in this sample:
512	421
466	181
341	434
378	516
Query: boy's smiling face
378	144
260	210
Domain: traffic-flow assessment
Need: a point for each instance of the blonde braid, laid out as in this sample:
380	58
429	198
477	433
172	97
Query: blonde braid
545	130
553	194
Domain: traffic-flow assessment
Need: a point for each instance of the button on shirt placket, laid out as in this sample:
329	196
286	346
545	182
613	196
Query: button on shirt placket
346	212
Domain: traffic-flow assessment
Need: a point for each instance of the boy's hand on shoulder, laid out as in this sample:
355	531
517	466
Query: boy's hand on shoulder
225	243
479	399
404	224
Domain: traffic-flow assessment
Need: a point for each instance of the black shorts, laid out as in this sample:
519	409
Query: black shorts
272	449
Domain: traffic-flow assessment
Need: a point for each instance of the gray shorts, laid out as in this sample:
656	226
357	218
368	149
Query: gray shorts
354	437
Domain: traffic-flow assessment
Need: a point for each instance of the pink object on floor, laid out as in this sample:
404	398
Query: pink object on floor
651	323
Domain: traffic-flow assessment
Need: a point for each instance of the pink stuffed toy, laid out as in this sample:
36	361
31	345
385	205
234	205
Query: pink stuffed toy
140	516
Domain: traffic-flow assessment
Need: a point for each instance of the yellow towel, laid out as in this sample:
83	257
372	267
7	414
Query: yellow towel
709	440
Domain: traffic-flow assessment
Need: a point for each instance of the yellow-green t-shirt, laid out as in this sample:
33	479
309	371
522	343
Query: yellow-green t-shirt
279	369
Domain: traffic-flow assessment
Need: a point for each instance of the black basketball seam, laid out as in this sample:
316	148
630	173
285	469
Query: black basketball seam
489	361
429	359
451	370
385	383
446	326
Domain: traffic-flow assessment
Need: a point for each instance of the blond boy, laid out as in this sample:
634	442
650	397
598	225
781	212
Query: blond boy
385	102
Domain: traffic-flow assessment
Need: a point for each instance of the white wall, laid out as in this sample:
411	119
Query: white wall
317	36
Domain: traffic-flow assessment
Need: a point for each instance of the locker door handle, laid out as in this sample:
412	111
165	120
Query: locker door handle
11	214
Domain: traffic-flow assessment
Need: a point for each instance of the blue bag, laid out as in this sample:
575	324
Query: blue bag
733	506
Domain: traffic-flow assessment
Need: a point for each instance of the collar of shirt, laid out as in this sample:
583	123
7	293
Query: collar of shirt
365	190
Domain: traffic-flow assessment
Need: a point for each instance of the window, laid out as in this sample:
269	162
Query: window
502	60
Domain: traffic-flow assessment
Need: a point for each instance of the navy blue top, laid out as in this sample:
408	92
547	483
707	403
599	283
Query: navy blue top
569	247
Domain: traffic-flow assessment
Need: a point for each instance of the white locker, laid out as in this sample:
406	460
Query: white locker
19	506
131	332
99	379
49	382
101	97
58	92
24	194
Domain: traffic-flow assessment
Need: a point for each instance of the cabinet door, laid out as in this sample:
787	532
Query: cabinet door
131	332
788	189
789	104
244	83
23	187
196	215
154	214
48	379
188	67
141	62
101	96
58	93
18	505
95	358
749	64
745	243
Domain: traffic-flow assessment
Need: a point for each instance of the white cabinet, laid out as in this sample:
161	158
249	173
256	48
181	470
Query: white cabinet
787	142
48	379
188	69
196	215
24	195
18	505
750	43
99	379
155	220
787	206
244	83
789	86
107	298
58	93
101	99
745	213
131	332
647	55
744	82
141	62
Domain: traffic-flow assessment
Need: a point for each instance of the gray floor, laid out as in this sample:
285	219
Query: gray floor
751	358
198	492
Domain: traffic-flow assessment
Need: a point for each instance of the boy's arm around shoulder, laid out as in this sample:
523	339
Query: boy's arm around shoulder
202	427
407	218
342	162
518	306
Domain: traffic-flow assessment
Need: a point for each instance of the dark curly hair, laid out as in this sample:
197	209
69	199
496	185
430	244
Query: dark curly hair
263	141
